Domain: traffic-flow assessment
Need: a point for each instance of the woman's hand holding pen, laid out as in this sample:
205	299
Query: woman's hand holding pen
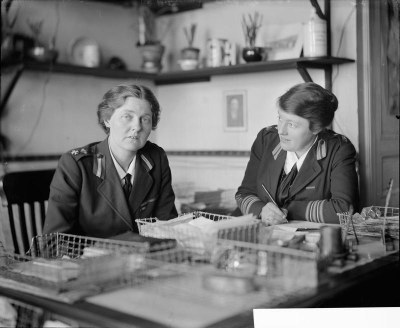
272	214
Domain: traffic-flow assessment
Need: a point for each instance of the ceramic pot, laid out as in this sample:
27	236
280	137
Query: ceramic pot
190	53
188	64
152	56
252	54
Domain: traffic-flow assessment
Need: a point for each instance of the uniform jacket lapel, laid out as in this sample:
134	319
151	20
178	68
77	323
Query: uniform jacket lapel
308	171
142	182
273	169
275	172
110	187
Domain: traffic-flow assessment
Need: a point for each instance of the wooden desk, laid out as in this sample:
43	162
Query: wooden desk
372	284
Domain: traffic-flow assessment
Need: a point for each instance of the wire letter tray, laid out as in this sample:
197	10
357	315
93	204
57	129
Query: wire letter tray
372	221
73	266
194	231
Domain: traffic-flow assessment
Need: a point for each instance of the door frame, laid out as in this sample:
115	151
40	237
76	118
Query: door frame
371	98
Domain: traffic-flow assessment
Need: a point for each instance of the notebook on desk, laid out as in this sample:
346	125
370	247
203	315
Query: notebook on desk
294	226
153	242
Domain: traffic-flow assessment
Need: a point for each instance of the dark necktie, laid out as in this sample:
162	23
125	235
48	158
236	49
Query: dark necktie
127	185
285	184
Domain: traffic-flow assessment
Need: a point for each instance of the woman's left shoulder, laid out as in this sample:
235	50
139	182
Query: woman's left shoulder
335	144
153	151
335	138
152	148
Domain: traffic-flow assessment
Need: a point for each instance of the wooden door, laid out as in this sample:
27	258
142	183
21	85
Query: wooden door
379	99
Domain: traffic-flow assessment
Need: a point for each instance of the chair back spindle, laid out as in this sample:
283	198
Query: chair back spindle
24	197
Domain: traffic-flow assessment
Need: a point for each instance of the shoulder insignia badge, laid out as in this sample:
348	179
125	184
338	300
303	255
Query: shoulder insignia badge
270	128
276	151
99	165
78	153
321	149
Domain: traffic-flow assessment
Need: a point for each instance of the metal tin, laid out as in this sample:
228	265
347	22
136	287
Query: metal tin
215	52
331	241
229	56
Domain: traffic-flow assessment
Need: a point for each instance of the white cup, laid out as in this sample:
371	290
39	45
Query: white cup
91	55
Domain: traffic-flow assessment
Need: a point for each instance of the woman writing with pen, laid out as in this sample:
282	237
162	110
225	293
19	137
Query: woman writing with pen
299	169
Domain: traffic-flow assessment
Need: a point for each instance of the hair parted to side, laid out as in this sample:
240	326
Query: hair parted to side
312	102
115	98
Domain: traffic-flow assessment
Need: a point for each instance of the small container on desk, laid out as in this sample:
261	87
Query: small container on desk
262	267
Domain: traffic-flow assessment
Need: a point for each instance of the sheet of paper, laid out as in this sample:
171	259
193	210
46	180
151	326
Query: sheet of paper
210	227
180	219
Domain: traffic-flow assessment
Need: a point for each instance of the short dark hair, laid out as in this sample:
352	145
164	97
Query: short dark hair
312	102
115	98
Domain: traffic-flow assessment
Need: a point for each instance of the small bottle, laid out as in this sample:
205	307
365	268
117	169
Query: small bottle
315	38
387	240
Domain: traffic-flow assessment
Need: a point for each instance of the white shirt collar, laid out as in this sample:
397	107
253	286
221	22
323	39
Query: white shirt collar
121	172
291	159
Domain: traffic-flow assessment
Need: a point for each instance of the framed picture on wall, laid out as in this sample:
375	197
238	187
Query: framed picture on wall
235	110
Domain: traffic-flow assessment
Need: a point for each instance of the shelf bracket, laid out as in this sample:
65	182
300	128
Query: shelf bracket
307	77
328	78
304	73
10	88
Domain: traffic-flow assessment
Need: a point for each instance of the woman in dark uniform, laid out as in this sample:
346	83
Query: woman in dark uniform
299	169
100	189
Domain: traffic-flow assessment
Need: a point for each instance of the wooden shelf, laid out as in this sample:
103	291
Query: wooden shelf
159	7
205	74
81	70
197	75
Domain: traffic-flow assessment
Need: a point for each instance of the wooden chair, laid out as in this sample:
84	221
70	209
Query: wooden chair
24	197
